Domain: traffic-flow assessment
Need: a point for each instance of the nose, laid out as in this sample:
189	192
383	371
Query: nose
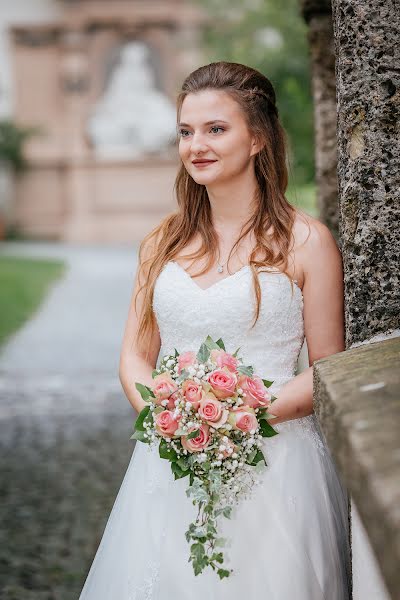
198	143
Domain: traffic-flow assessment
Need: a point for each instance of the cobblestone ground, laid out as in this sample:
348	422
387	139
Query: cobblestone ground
64	423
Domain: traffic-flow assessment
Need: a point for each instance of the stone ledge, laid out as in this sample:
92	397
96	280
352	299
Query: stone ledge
357	402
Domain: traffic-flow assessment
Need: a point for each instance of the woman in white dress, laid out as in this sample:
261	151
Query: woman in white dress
236	261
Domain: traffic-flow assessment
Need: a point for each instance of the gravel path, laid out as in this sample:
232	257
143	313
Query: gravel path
65	422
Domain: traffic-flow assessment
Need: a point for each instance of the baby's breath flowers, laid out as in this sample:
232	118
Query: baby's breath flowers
208	414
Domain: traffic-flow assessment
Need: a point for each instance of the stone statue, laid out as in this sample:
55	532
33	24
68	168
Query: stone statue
132	118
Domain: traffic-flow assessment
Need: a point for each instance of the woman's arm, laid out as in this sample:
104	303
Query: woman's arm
323	319
133	365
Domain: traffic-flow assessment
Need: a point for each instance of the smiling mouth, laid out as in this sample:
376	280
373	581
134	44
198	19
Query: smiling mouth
203	163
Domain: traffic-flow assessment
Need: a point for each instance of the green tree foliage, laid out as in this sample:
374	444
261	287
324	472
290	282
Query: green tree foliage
271	37
12	140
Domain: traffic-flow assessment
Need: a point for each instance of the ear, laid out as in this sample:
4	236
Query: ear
256	146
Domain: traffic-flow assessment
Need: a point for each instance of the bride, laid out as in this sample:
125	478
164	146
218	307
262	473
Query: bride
236	261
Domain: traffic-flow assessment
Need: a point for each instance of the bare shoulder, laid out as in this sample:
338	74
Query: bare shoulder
314	245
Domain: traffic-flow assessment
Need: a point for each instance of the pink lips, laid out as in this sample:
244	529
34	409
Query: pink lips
203	163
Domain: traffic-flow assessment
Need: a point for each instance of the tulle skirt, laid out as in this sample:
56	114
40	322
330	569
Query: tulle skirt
288	541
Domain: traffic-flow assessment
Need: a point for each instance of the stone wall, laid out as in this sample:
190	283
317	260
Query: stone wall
368	109
356	399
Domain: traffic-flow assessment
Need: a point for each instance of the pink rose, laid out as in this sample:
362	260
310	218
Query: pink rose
192	392
244	420
197	444
165	423
164	386
254	391
212	411
185	360
224	359
223	383
171	401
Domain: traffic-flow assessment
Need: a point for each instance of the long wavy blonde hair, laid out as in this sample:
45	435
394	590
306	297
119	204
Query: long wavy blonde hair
255	95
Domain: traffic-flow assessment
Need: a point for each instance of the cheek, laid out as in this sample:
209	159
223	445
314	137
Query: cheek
183	150
234	152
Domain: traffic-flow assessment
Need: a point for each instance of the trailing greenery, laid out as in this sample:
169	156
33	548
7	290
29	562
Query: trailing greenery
272	38
12	139
24	283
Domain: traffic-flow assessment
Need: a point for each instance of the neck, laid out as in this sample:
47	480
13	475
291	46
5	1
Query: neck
232	202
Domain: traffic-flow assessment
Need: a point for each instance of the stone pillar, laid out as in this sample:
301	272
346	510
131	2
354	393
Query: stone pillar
318	16
368	95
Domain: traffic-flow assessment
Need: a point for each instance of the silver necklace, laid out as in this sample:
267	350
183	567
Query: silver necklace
220	267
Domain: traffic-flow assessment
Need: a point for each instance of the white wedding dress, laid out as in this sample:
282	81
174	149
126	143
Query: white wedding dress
289	540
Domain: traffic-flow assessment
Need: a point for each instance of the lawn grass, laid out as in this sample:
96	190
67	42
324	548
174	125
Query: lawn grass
24	283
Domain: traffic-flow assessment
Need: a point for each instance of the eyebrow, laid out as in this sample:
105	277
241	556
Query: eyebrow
207	122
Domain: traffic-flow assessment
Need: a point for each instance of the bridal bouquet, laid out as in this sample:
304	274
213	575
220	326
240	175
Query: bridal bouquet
207	412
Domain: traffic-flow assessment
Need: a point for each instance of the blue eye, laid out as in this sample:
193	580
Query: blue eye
183	132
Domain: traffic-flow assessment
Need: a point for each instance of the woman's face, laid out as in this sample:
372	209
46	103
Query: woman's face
213	127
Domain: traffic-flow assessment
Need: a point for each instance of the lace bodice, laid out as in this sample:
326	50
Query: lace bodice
186	314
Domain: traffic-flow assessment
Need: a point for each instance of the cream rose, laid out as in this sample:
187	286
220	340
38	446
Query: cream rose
163	387
198	443
186	359
223	383
224	359
244	420
192	392
254	391
212	411
165	423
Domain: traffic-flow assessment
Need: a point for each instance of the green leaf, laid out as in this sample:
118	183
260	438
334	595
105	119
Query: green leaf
176	352
227	512
267	383
193	434
138	425
220	343
177	471
203	354
218	556
165	451
251	456
197	550
223	573
182	462
209	342
236	352
266	429
144	391
139	435
258	457
154	373
245	370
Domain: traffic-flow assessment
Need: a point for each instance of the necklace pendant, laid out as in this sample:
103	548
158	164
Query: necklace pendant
220	268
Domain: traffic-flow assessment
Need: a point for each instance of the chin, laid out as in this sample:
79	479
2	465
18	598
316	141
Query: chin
204	178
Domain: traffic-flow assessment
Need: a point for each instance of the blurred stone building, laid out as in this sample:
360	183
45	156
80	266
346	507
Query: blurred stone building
99	80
